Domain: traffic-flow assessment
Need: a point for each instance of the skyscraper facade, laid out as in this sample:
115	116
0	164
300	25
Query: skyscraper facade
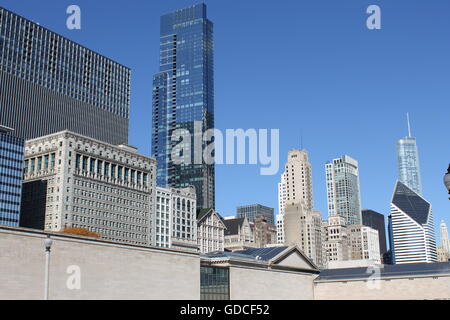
251	211
72	181
408	162
176	218
50	84
11	163
411	227
343	190
296	181
183	99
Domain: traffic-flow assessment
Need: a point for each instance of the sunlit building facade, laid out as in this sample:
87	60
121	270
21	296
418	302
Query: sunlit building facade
343	190
183	99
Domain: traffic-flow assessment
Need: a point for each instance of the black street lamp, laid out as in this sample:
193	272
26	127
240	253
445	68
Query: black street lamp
447	180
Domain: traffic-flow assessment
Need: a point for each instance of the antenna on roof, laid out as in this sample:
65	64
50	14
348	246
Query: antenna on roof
409	125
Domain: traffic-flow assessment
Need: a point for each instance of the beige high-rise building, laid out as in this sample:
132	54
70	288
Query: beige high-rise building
296	181
298	223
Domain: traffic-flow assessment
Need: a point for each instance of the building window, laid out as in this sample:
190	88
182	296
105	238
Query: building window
214	283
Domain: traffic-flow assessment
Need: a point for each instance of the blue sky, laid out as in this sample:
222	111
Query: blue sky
306	66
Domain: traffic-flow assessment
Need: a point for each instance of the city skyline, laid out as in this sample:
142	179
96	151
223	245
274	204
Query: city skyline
375	193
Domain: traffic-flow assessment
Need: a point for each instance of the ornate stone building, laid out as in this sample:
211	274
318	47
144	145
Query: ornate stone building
210	231
72	181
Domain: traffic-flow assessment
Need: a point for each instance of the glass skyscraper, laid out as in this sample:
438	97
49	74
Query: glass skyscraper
11	164
408	164
49	83
183	98
344	198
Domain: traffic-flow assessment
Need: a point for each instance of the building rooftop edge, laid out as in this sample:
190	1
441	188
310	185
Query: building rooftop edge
66	38
92	139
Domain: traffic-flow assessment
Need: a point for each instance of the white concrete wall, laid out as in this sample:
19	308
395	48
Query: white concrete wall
108	271
255	284
427	288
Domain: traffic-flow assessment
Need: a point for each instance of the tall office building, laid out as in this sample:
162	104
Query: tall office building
411	227
444	237
376	221
298	223
296	181
183	98
251	211
50	84
176	218
72	181
11	163
343	190
408	162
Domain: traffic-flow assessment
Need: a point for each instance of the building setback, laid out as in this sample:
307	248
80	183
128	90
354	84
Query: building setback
176	219
72	181
183	99
11	163
49	83
411	227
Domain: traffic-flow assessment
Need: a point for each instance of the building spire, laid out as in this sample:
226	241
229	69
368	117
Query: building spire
409	125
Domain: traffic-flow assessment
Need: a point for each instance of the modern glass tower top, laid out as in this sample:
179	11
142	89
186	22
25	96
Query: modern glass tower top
183	98
408	162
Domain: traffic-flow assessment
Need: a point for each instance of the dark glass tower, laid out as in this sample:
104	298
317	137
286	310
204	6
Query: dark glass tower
376	221
11	164
183	96
50	84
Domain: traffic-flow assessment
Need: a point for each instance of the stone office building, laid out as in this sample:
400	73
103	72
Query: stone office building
176	219
74	181
210	231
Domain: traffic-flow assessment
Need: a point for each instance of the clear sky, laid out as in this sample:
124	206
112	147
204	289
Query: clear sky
308	66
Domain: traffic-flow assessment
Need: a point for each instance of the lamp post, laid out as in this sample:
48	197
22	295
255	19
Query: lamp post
48	245
447	180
